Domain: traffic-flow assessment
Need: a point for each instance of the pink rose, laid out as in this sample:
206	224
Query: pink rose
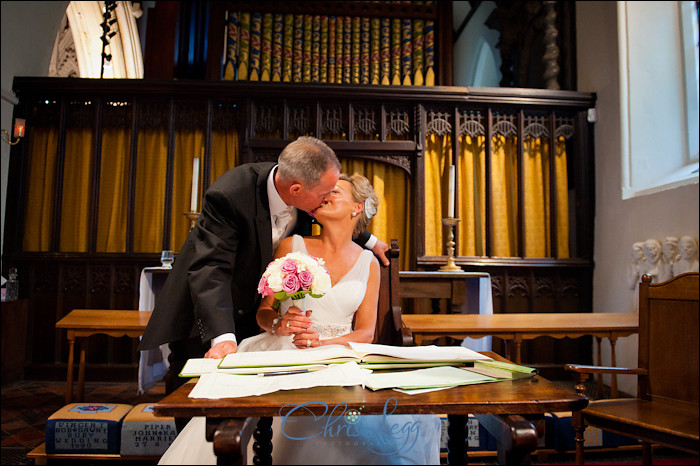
289	266
306	278
290	284
263	287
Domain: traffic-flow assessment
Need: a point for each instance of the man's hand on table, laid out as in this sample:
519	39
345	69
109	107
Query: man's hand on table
221	349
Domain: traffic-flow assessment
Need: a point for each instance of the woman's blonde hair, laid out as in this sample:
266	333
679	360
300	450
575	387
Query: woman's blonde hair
363	192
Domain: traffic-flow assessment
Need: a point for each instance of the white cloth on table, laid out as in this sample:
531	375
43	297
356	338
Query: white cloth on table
363	439
153	363
484	306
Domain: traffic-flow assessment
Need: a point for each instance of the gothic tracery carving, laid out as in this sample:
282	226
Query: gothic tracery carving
300	119
518	286
266	119
438	123
398	122
544	287
365	121
99	279
564	126
332	121
471	124
504	125
535	126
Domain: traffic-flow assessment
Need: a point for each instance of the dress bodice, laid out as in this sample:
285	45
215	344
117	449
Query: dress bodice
333	312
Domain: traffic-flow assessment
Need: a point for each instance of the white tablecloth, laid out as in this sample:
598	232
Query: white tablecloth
153	364
479	300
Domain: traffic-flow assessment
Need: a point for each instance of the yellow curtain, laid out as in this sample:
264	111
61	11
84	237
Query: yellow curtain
471	231
537	196
38	216
151	164
438	151
224	154
504	196
393	218
188	145
77	190
562	204
114	195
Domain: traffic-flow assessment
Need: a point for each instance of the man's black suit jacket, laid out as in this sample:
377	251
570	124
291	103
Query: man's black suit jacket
212	288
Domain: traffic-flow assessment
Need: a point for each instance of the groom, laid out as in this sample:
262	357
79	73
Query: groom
209	301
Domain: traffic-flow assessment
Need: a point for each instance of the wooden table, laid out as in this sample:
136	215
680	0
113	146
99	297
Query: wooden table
82	323
438	285
230	422
519	327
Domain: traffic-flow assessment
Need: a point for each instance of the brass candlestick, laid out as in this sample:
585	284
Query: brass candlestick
450	266
192	217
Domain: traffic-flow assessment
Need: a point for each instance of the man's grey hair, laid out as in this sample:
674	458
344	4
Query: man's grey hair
305	160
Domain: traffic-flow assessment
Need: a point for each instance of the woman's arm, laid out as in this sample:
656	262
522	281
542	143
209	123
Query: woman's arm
365	317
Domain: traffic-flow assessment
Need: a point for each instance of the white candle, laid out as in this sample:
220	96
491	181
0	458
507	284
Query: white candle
195	184
451	198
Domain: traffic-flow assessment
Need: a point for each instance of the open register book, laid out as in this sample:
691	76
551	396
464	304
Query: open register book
371	356
502	370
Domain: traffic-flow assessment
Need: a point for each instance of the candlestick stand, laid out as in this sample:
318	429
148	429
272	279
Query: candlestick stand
451	266
192	217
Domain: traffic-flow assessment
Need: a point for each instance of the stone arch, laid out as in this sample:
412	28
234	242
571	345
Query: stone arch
78	47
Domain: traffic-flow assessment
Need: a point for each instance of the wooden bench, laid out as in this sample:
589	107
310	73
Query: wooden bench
665	410
519	327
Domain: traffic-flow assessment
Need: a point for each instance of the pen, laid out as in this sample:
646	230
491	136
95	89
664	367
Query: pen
298	371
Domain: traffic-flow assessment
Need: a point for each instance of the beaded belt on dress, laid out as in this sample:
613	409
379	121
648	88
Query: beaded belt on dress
332	330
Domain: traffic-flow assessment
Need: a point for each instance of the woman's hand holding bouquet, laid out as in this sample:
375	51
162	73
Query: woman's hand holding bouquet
295	276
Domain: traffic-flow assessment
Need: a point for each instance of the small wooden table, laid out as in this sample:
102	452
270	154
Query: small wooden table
82	323
519	327
231	421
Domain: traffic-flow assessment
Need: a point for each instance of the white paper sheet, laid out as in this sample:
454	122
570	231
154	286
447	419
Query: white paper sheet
421	353
418	391
195	367
433	377
217	385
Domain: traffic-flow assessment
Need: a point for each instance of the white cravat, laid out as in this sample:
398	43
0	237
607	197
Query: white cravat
281	222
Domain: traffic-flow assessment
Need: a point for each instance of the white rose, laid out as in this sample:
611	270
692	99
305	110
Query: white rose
274	281
321	283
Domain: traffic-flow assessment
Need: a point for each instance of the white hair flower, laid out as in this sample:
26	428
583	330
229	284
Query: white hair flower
370	208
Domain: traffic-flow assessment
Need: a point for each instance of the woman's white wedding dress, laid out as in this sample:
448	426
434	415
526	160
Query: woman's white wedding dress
363	439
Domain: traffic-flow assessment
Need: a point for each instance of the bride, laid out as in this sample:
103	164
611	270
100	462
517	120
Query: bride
346	313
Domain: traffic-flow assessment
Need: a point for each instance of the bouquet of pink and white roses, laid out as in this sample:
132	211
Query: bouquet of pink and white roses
294	276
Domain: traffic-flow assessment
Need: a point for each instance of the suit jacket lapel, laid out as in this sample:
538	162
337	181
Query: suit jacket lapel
262	218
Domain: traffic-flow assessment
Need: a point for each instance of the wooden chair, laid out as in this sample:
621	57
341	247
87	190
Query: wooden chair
390	329
665	410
